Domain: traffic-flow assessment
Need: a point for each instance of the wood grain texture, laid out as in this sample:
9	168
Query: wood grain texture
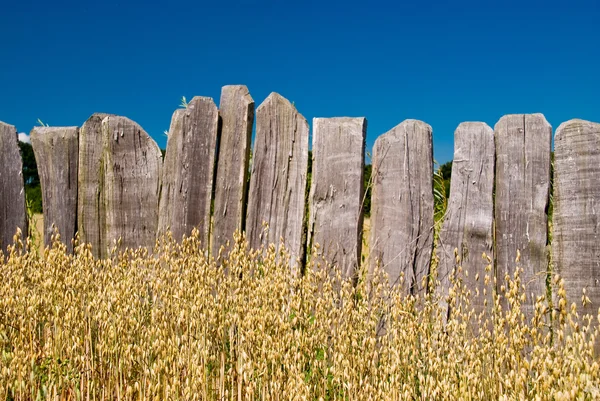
278	177
468	223
56	152
90	206
237	117
188	170
576	218
132	170
336	194
12	195
522	187
402	205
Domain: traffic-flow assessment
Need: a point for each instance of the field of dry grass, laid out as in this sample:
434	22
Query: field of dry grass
182	327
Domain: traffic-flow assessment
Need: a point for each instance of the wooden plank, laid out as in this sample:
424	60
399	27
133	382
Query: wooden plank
278	178
90	207
132	170
402	205
12	196
468	223
237	118
188	170
522	185
575	245
336	217
56	152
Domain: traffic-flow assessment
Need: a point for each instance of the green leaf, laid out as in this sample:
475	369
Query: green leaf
320	354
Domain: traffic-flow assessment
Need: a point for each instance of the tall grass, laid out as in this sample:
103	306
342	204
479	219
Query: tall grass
180	326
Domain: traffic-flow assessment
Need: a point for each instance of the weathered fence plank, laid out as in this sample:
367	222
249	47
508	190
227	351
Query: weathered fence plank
132	165
237	118
575	244
188	170
523	144
402	205
12	193
90	205
336	194
56	152
278	178
468	223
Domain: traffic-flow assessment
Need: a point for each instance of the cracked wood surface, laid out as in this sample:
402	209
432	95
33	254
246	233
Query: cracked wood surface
402	211
522	188
132	169
336	195
56	152
237	117
12	196
188	170
90	206
468	222
278	178
576	224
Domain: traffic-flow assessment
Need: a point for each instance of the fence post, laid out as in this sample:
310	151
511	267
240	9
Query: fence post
336	194
12	196
278	179
56	152
468	223
575	244
188	170
237	117
132	169
90	206
402	205
522	186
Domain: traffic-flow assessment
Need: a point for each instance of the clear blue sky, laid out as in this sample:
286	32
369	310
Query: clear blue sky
441	62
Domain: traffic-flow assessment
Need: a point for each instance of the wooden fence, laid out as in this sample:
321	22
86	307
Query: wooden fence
107	181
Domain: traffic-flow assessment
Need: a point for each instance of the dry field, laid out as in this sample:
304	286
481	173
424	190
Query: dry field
182	327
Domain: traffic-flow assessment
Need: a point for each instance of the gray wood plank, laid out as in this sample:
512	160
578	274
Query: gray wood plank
188	170
12	195
237	117
336	216
278	178
468	223
56	152
132	170
576	223
402	205
522	186
90	205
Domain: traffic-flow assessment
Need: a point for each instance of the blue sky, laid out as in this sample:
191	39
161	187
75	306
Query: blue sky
440	62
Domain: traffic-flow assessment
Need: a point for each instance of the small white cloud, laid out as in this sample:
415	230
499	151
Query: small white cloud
23	137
